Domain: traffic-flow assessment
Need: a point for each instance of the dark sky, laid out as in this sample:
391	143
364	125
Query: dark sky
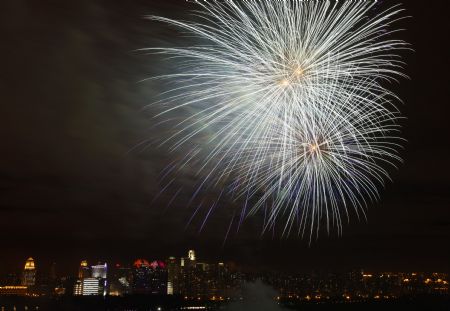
73	187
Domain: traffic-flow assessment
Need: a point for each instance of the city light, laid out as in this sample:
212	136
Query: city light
197	281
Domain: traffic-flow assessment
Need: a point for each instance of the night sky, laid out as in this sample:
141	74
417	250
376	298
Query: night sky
73	185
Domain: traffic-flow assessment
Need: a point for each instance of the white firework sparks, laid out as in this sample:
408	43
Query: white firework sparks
292	96
312	166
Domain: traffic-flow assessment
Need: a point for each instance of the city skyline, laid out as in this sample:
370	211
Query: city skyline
192	279
104	264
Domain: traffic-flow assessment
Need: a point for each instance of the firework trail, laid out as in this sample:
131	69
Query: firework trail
291	97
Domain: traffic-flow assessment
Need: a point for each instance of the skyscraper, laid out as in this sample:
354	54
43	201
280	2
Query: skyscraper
149	278
120	280
84	270
173	276
78	288
91	280
91	287
141	277
158	278
191	255
29	273
189	278
100	271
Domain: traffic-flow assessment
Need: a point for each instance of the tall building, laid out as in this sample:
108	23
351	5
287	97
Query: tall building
222	274
202	280
189	276
92	281
84	270
141	277
158	278
149	278
191	255
78	288
29	273
100	271
120	280
173	276
91	287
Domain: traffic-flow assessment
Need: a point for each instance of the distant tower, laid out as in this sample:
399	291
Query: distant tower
158	278
29	273
84	271
100	271
141	277
190	261
191	255
188	284
173	276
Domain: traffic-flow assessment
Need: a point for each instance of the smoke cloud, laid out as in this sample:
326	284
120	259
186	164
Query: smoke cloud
257	297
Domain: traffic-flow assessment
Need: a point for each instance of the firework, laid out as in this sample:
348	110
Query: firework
291	97
312	167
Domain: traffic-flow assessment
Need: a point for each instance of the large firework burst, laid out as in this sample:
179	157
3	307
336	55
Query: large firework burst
292	97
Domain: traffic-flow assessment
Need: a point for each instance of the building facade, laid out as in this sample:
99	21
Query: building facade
100	271
84	271
91	287
173	276
29	273
149	278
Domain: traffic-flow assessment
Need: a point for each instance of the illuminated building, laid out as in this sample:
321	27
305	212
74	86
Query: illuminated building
188	282
141	277
78	288
84	271
149	278
13	290
100	271
59	291
173	276
29	273
158	278
191	255
91	280
201	280
188	276
91	287
358	285
88	287
120	280
189	261
221	278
